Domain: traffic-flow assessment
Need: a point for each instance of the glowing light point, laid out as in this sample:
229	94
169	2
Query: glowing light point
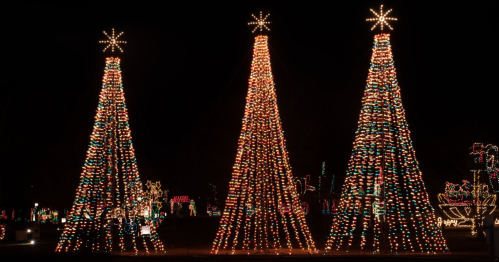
381	19
260	22
112	41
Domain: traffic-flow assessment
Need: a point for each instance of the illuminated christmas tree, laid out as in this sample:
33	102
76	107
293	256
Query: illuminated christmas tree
262	211
384	203
108	212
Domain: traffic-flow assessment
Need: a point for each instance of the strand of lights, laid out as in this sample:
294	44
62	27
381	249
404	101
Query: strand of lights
381	19
384	190
3	215
323	173
109	196
45	214
2	231
485	159
262	210
152	202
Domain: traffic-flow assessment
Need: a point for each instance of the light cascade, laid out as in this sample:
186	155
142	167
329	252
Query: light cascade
262	211
384	203
107	213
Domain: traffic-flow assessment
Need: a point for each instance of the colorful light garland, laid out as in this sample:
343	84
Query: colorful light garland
261	179
485	159
466	205
2	231
152	201
384	203
109	197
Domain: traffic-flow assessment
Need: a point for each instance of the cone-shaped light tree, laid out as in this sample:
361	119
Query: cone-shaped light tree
108	212
384	206
262	211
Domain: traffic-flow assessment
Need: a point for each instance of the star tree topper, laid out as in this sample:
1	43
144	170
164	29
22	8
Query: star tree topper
381	19
260	23
112	42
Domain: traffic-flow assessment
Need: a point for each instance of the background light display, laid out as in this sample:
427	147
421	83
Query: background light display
464	203
485	161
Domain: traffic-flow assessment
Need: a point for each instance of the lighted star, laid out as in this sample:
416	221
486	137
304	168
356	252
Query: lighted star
112	42
381	19
260	22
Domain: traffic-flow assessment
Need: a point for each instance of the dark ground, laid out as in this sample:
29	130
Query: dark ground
191	238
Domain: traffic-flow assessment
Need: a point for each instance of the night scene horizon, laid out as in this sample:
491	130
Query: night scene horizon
364	127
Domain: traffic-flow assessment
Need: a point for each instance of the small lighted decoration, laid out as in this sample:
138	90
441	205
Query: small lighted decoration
181	199
192	208
260	22
45	215
3	215
305	186
451	222
112	41
458	202
304	206
153	201
485	161
381	19
213	203
2	231
329	207
145	230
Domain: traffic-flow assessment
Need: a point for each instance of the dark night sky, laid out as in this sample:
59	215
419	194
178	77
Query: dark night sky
186	95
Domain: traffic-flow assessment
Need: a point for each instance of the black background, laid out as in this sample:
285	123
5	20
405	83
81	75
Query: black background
185	70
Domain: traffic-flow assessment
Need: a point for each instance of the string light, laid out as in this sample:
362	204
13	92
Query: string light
260	22
381	19
112	41
2	231
485	159
108	201
262	210
384	200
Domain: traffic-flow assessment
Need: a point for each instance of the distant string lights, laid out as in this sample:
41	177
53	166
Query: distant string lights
485	159
459	201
